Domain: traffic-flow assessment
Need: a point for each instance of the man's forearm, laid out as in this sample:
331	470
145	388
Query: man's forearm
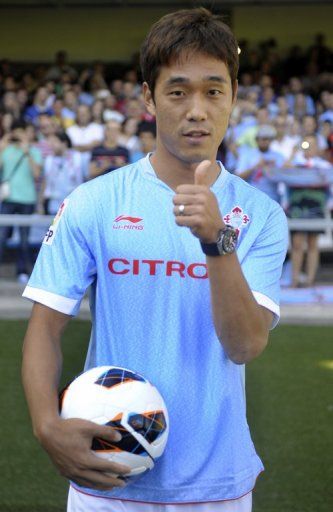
41	370
240	322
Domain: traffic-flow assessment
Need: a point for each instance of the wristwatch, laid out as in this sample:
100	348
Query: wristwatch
225	244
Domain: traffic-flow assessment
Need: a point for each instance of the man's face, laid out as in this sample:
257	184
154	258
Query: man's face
112	131
192	104
263	143
17	135
309	125
148	141
83	115
58	147
45	125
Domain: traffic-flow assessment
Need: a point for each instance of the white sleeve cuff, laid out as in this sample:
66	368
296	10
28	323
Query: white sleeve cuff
265	301
52	300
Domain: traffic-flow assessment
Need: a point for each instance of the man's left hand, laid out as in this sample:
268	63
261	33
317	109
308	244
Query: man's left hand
201	212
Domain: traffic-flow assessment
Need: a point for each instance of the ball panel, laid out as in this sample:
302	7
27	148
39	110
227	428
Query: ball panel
116	376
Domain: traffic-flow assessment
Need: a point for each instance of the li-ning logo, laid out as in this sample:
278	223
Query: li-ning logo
128	222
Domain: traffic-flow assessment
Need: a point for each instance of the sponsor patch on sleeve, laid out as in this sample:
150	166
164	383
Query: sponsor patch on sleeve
51	232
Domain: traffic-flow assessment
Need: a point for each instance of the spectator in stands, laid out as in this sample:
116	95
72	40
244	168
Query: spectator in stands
22	98
85	135
128	137
134	108
45	127
309	128
254	164
68	113
327	132
60	68
147	137
109	155
40	106
97	109
307	202
327	105
283	142
29	82
10	105
21	166
7	120
63	172
92	78
268	100
57	117
296	89
249	136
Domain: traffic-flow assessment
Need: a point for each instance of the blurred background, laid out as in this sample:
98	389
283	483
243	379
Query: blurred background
70	99
71	109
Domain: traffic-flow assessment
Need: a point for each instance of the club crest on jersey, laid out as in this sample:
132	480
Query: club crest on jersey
237	218
51	232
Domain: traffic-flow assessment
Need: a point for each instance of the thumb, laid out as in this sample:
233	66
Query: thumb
201	173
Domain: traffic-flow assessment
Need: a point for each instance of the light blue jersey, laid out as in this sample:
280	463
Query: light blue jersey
151	311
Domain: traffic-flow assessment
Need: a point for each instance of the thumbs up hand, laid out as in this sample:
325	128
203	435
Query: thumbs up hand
196	207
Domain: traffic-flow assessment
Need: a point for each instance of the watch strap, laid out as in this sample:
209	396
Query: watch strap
216	248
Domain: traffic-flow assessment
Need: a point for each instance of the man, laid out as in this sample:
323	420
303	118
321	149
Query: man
85	135
255	164
110	155
21	165
63	172
40	106
170	298
147	138
283	143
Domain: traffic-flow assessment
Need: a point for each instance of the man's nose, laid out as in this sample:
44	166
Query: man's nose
197	109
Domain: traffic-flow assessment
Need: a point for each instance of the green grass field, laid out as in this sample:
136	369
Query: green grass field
290	411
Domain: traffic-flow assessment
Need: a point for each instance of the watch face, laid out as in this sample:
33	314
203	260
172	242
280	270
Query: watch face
229	240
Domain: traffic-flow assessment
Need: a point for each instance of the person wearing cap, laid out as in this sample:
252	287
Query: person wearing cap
254	164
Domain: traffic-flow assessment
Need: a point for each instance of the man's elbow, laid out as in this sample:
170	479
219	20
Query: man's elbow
245	354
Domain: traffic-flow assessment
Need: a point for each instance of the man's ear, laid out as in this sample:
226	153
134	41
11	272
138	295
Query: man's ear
148	99
234	93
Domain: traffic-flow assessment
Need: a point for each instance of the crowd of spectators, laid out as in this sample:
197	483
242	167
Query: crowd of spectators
62	125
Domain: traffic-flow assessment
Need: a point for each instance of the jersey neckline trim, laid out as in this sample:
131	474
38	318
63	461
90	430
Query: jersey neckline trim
149	171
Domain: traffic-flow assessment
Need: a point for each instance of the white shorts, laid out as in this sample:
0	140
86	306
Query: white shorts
80	502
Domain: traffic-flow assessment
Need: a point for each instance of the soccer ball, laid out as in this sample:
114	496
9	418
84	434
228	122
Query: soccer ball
126	401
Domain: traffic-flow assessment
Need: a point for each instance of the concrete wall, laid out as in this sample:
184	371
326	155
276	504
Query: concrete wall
87	34
289	25
115	34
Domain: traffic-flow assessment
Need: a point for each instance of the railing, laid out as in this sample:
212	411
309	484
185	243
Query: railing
44	221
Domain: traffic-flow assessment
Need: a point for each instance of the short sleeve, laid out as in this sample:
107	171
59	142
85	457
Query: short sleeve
65	266
248	157
36	156
262	266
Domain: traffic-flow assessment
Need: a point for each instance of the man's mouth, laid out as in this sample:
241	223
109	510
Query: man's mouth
196	134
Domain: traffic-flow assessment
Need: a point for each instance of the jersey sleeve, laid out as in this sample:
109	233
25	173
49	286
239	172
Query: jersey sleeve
262	266
65	266
36	155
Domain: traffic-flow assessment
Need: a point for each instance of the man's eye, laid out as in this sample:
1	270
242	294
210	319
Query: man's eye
214	92
177	93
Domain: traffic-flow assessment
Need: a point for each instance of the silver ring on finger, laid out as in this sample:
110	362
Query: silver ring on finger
181	209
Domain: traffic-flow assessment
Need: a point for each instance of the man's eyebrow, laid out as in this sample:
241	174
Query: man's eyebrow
183	80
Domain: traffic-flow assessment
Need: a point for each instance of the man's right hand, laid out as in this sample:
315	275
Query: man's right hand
68	443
